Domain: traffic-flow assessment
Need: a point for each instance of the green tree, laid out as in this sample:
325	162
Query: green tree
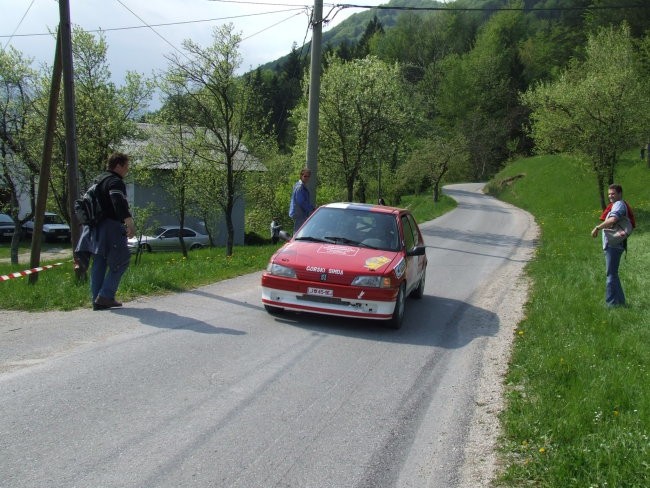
105	114
595	109
363	117
224	114
478	93
432	160
19	156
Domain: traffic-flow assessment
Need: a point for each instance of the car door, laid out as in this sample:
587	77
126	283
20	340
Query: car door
189	236
169	240
411	240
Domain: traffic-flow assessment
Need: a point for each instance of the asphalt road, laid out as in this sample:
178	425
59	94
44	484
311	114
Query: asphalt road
204	389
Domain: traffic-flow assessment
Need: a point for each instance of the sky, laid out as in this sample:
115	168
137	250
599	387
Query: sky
269	28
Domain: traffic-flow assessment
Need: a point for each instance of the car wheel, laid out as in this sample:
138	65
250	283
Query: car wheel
195	246
145	247
273	310
419	291
398	314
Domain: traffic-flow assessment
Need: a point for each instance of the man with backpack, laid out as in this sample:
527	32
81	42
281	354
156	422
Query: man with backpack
106	240
617	223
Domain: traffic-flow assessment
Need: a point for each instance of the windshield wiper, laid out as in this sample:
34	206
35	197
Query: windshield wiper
349	242
314	239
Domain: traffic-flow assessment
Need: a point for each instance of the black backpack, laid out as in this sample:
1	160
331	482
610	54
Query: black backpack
88	208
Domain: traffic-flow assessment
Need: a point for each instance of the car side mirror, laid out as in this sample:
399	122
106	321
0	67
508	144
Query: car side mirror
284	235
417	251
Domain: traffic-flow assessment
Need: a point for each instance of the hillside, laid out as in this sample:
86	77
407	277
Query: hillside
577	387
352	28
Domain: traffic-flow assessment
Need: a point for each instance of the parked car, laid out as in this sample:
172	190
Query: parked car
349	259
7	227
54	228
165	238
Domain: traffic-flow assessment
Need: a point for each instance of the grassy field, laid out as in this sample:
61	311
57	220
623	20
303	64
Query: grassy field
579	380
157	273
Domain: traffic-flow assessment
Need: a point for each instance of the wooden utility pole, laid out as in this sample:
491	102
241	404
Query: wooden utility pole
71	155
46	162
314	94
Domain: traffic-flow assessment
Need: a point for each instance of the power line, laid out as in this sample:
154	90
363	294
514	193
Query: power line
149	26
19	24
491	9
167	24
270	26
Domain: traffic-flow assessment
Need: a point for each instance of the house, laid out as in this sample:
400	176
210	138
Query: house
152	196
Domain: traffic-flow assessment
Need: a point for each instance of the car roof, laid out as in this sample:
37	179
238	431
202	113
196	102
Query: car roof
367	207
167	227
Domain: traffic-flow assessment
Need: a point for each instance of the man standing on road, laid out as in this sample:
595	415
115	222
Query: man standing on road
616	211
300	206
107	241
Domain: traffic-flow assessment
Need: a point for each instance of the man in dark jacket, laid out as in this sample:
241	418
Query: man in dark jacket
300	206
107	241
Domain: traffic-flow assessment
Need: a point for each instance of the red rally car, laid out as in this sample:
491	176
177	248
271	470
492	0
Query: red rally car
349	259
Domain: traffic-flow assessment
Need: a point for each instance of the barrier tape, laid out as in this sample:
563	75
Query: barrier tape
18	274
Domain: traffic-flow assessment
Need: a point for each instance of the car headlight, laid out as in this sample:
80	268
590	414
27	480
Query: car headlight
279	270
372	281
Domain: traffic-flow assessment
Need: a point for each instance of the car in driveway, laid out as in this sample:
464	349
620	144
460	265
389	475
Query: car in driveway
54	228
166	238
350	260
7	227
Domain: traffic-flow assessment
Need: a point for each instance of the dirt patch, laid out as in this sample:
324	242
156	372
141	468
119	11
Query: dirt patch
53	254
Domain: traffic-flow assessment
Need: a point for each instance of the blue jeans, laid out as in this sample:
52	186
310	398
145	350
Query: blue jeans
613	290
106	274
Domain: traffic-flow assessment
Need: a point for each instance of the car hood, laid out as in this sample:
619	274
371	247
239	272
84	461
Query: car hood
47	227
341	264
134	240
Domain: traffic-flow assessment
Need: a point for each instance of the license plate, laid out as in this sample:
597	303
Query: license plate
321	292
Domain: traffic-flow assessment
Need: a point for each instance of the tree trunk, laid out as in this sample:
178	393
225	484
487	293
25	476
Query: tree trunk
601	191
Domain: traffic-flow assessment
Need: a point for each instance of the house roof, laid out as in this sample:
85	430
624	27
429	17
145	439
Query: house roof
154	138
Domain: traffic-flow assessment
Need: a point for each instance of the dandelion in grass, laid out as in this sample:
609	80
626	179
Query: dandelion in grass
542	450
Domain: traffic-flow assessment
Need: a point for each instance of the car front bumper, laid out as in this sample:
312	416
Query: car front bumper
343	300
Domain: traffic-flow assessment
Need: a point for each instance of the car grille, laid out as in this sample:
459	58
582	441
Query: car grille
319	299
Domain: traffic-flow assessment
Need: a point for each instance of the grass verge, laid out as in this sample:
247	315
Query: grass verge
578	386
157	273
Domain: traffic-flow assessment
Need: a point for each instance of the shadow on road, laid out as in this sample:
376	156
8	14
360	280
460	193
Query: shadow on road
170	320
431	321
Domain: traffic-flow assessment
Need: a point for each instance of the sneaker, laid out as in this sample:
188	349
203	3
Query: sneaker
106	302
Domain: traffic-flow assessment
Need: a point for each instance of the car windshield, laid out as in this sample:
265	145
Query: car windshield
351	227
5	219
52	219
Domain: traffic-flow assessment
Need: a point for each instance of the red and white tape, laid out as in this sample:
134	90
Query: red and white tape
18	274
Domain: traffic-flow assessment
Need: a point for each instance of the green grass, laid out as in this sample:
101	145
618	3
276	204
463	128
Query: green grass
424	208
579	381
157	273
57	288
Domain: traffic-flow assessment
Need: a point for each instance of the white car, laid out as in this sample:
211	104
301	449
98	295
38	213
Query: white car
54	228
166	238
